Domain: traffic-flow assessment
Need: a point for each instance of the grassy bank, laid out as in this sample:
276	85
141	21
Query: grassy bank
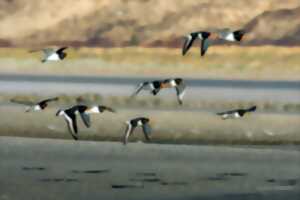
159	103
232	62
177	126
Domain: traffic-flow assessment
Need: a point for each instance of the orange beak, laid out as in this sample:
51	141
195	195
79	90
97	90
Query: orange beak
244	37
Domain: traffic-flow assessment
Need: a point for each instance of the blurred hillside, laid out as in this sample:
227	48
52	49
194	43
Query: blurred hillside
143	22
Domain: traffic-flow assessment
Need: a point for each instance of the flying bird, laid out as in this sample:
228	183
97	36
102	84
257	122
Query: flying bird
238	113
190	38
155	86
52	54
232	36
35	106
133	123
84	111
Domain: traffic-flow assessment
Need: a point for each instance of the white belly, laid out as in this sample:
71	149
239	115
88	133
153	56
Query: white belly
149	87
230	37
181	95
94	109
37	108
225	116
173	83
139	123
53	57
236	115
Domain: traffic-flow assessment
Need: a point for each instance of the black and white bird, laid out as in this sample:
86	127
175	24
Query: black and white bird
238	113
84	111
155	86
232	36
133	123
190	38
52	54
34	106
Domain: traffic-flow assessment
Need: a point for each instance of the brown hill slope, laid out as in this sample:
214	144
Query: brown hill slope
122	22
276	27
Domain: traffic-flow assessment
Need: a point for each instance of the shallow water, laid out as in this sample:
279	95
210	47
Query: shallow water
206	89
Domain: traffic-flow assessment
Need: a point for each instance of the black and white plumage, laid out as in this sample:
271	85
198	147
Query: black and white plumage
152	86
232	36
35	106
133	123
52	54
238	113
70	117
84	111
155	86
190	38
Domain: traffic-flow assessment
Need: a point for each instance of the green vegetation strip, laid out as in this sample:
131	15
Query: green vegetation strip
265	62
160	103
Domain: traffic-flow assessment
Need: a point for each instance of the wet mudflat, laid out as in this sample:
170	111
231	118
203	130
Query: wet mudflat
64	169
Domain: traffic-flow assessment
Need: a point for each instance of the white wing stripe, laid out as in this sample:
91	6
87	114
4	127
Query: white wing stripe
70	123
129	127
181	95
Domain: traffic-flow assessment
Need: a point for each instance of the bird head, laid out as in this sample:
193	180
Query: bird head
62	55
206	35
239	34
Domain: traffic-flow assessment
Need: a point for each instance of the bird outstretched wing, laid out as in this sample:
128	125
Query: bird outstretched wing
48	100
180	90
147	131
103	108
223	33
48	51
139	88
187	44
251	109
228	112
204	46
72	125
128	132
86	119
27	103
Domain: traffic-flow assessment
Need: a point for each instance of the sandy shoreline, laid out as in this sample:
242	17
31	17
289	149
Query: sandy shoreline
194	127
